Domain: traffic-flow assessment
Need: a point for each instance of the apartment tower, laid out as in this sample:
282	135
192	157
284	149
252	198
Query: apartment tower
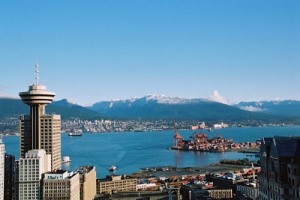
40	130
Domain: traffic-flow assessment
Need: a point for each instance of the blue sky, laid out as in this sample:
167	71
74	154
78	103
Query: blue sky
100	50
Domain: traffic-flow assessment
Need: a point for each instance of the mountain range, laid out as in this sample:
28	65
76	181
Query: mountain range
163	107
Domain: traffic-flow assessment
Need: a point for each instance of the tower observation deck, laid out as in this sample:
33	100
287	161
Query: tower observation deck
37	97
39	130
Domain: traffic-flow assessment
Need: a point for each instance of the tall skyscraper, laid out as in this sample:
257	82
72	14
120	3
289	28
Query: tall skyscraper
31	168
9	177
39	130
2	154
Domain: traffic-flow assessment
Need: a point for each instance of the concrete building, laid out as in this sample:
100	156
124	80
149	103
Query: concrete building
280	168
39	130
220	193
116	184
227	183
61	185
2	159
31	168
248	190
194	192
88	187
16	192
9	177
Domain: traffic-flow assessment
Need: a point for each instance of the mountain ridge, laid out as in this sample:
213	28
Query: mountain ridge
162	107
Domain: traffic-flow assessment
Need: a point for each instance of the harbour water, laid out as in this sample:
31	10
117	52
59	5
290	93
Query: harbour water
130	151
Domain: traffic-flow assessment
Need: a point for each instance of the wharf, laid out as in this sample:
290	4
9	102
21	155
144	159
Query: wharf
187	171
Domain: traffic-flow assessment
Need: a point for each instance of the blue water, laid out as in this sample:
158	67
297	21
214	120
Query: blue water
131	151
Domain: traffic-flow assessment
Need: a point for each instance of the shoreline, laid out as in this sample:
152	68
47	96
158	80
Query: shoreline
250	150
169	171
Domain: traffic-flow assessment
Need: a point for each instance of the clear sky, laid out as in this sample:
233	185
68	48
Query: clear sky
107	49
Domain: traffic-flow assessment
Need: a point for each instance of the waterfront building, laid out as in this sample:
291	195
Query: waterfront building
31	168
115	183
280	168
39	130
9	176
2	159
61	184
88	188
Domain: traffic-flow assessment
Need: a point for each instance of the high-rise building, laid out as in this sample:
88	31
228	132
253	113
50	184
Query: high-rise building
280	168
39	130
31	168
61	184
88	188
2	155
9	177
16	189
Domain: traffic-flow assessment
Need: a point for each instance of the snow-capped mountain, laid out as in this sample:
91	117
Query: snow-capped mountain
163	107
148	99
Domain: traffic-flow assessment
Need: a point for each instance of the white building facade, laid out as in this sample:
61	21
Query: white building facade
31	168
2	159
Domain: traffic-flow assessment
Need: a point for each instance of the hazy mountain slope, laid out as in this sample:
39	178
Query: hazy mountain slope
12	107
70	110
15	107
283	108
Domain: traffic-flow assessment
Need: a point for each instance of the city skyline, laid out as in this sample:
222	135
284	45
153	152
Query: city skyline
102	50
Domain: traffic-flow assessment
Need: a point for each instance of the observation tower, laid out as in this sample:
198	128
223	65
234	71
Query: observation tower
39	130
37	97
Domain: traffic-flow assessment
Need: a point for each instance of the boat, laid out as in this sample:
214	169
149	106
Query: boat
112	168
75	133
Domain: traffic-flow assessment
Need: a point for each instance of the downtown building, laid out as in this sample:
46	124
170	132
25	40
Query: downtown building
9	177
65	185
40	130
88	187
31	168
40	142
280	168
115	183
38	172
2	160
61	184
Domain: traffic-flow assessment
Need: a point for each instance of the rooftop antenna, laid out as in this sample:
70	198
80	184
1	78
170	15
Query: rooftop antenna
37	74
